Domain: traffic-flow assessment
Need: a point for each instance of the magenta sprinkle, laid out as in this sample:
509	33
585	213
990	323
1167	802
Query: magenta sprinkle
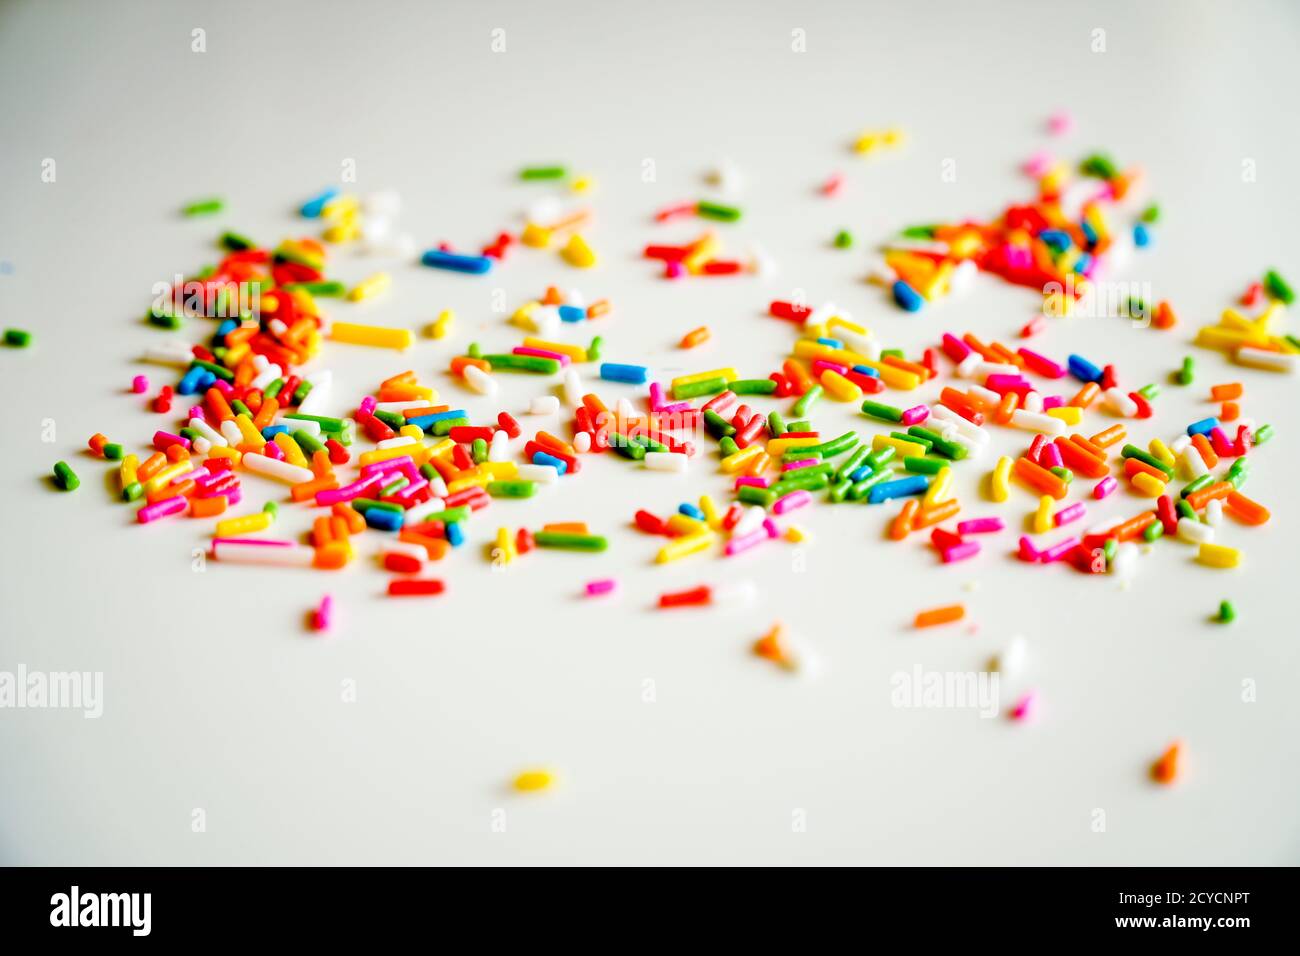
1050	457
745	541
1058	551
751	480
541	353
1071	513
161	509
955	348
916	414
140	384
980	526
795	499
602	586
960	552
321	617
1104	487
1027	550
801	463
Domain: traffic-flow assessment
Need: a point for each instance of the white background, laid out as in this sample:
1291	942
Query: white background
216	696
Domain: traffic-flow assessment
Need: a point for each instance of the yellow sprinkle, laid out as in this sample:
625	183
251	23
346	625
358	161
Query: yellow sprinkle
376	335
903	448
728	373
371	287
684	525
583	184
1219	556
442	325
419	453
249	431
838	323
245	524
1044	519
682	547
1161	451
1148	484
533	781
779	446
735	461
505	549
577	253
940	488
411	431
292	453
127	470
795	534
575	352
711	516
539	237
500	470
840	388
1070	414
1000	479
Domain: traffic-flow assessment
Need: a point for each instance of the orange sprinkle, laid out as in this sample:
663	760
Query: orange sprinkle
1109	436
695	337
1230	412
940	512
1227	392
1220	489
1208	454
939	615
1086	395
1039	478
1168	768
567	527
1244	509
207	507
901	526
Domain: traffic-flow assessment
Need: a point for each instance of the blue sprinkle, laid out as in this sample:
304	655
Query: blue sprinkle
912	485
541	458
866	370
381	519
862	471
907	297
312	208
438	259
571	313
270	431
691	511
1203	427
632	374
190	382
833	343
455	534
1084	370
1141	237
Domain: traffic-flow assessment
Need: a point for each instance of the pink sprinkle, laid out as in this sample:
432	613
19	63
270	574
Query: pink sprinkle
262	542
367	406
674	270
675	211
1060	122
602	586
224	387
1058	551
770	527
140	384
657	397
980	526
751	480
1027	550
916	414
821	365
832	185
795	499
1025	707
1053	401
1042	364
745	541
541	353
801	463
272	450
1050	457
1071	513
1038	164
196	411
1105	487
234	495
960	552
955	348
161	440
348	492
321	617
161	509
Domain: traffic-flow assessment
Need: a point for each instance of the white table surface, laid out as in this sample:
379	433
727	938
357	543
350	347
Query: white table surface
217	698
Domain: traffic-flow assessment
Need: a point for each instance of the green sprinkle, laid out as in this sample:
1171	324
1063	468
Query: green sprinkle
370	504
523	363
1187	372
713	210
860	488
1262	434
718	426
133	491
928	443
853	462
885	413
324	290
806	401
391	419
1152	531
309	444
473	350
626	447
1150	392
1196	485
1151	214
708	386
891	353
754	495
1065	474
448	515
444	427
534	173
1132	451
271	508
326	424
113	451
394	486
511	489
1227	612
776	426
1100	166
844	239
593	350
1109	548
272	390
301	392
65	477
239	408
918	232
746	386
164	320
428	472
805	479
1278	288
1185	509
478	450
802	425
924	466
881	456
236	242
840	490
18	338
204	207
727	446
220	371
570	542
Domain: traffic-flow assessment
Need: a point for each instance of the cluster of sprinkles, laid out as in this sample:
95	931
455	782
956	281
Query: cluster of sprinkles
243	403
